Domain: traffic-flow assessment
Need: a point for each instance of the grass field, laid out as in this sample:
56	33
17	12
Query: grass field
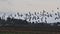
15	33
30	32
41	30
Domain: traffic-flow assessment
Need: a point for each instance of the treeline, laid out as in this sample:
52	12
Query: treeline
11	22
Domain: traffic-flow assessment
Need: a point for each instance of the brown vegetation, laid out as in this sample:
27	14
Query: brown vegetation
40	30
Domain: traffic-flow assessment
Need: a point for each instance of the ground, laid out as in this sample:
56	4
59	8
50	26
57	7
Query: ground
29	31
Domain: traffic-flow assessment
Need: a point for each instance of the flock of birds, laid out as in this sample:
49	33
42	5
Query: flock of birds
36	17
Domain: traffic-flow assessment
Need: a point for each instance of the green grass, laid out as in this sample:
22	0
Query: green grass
16	33
30	32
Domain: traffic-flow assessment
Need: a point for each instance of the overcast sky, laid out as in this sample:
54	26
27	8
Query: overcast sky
28	5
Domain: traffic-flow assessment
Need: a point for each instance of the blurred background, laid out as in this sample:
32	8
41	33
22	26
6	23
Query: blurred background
28	5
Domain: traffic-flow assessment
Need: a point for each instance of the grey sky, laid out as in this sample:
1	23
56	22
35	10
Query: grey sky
28	5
